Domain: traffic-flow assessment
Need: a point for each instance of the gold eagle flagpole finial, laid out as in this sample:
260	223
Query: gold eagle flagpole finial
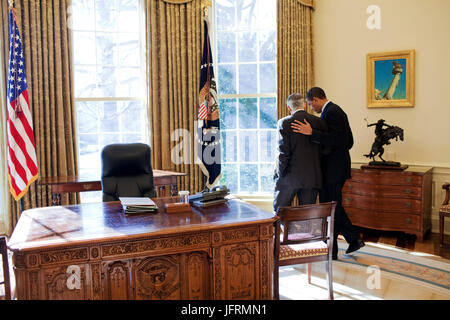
205	5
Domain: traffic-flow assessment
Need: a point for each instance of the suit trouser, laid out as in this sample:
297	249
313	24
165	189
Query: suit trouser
342	224
284	196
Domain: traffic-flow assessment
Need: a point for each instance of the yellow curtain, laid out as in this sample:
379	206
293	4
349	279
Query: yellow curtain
174	49
46	42
295	69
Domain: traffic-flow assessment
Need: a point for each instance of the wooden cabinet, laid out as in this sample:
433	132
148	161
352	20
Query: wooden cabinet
94	251
389	199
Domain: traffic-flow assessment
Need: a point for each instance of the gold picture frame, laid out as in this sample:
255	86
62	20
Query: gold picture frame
390	79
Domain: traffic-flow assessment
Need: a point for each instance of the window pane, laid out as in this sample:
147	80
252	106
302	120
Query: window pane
247	181
247	78
84	40
229	146
107	49
246	10
131	116
248	142
248	113
267	78
230	177
109	121
225	14
268	113
227	79
266	174
247	47
267	46
128	16
85	83
87	115
130	80
266	16
268	145
227	113
81	14
106	15
226	46
107	82
129	51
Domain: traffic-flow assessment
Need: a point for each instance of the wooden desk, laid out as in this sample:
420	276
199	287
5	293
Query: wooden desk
161	179
220	252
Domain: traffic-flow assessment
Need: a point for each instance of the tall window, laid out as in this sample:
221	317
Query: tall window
246	63
108	46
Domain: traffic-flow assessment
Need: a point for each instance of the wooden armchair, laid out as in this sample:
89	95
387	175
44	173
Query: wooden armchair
444	211
307	237
6	282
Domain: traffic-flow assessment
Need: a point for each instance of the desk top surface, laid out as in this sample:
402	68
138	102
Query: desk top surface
89	223
91	178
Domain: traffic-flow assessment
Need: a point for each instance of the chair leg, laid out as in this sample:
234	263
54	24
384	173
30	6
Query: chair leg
308	272
329	269
441	228
276	283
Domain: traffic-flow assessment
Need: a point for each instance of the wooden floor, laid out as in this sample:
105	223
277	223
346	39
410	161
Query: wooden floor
430	244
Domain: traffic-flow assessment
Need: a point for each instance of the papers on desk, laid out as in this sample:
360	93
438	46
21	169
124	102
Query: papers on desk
138	204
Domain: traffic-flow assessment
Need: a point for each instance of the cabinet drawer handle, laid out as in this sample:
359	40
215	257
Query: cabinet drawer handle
349	214
408	220
349	199
350	186
409	179
408	204
409	191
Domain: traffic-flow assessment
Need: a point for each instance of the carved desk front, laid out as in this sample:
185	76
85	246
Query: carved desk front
95	251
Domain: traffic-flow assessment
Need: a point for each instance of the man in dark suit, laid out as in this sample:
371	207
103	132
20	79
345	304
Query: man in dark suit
335	165
298	162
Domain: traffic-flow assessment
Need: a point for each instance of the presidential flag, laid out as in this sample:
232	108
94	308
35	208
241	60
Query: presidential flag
208	131
22	163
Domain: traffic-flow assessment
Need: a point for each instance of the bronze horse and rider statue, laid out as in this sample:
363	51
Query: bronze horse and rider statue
384	132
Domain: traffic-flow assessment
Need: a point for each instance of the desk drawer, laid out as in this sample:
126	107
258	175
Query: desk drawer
384	220
391	191
412	206
386	178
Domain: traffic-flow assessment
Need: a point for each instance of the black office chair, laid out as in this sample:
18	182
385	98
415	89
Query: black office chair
127	171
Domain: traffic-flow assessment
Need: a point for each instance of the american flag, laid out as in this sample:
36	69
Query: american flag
208	130
22	163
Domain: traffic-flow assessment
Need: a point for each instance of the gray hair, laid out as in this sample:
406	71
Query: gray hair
295	101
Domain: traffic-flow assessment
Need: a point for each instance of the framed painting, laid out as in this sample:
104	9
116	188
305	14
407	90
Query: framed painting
390	79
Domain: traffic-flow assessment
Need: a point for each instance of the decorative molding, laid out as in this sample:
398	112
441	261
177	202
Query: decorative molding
177	1
187	241
96	281
74	255
232	236
264	249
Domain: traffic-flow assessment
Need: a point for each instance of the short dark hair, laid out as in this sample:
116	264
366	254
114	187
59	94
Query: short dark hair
315	92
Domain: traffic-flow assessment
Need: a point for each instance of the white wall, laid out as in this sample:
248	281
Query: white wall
342	40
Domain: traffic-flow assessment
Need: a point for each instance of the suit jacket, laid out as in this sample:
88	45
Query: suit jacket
336	165
298	160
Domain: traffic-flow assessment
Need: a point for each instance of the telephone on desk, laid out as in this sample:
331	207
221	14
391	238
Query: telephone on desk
210	197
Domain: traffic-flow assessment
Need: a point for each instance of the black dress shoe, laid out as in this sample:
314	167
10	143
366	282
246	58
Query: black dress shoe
334	257
355	245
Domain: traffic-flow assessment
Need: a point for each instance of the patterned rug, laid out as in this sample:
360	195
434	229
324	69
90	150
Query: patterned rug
426	268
